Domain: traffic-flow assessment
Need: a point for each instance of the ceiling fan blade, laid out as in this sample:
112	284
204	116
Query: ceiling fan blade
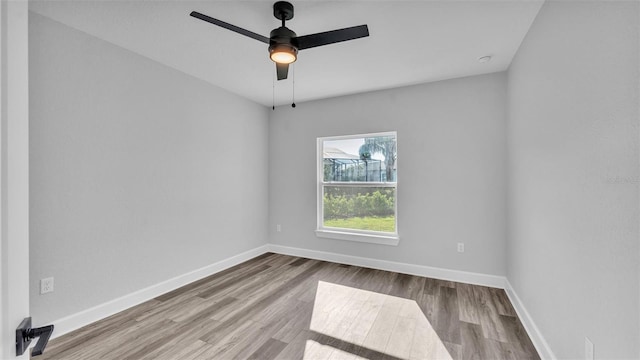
282	70
228	26
331	37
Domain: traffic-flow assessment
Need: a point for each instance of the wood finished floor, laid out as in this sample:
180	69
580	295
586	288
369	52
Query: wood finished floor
284	307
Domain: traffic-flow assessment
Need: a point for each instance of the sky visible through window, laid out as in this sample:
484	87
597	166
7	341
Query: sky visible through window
350	146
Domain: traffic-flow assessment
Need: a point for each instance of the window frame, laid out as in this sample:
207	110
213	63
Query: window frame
368	236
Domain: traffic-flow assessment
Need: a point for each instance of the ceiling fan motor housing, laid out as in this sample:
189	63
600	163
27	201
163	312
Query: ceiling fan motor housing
283	37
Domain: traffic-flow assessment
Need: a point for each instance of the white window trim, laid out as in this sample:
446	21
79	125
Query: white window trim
373	237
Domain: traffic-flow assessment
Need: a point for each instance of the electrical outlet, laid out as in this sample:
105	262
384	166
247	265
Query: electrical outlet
588	349
460	247
278	228
46	285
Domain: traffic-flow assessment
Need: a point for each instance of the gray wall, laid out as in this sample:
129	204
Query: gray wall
573	252
139	173
451	171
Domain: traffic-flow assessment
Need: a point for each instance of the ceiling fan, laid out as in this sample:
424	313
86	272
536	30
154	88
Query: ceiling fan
284	43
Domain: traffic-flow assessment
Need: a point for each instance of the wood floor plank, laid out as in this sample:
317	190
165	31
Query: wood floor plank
454	350
272	279
199	354
189	351
187	331
432	286
426	343
211	311
518	338
381	329
283	307
295	348
251	344
467	304
224	275
406	286
501	300
428	305
229	340
231	282
269	350
108	347
447	319
473	342
338	354
299	321
401	340
92	333
416	284
381	281
298	262
335	317
500	350
492	327
359	329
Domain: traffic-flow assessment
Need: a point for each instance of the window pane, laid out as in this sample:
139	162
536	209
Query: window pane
360	208
370	159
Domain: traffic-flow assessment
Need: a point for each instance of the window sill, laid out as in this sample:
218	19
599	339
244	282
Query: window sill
392	240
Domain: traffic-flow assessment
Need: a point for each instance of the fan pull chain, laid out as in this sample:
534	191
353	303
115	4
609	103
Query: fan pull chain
293	86
273	93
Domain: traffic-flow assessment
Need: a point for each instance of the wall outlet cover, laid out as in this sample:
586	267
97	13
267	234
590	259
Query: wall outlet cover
46	285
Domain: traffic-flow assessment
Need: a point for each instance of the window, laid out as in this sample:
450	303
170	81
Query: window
357	188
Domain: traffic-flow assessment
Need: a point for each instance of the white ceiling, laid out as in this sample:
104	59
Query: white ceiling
410	42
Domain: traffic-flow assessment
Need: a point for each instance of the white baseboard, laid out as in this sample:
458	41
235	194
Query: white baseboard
534	333
83	318
411	269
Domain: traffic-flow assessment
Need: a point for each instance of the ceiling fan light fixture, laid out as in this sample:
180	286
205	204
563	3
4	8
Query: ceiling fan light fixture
283	53
283	42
